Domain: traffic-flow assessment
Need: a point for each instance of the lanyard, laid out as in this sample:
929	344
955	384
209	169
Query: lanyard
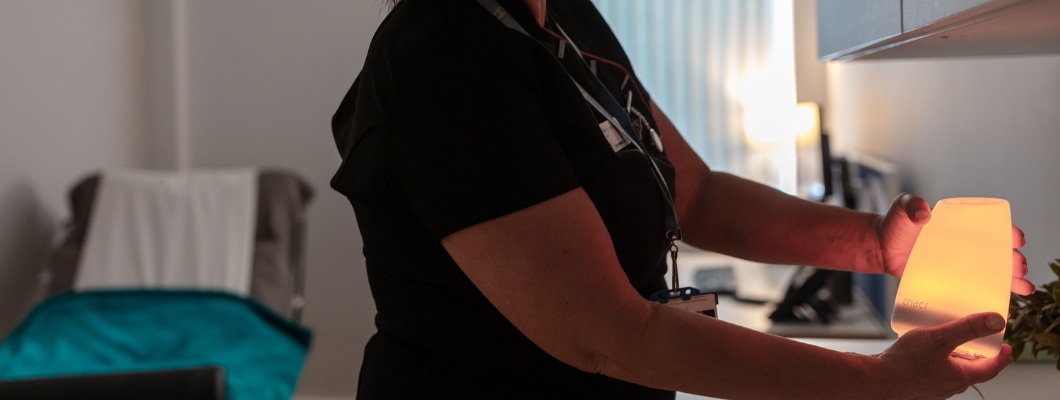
612	111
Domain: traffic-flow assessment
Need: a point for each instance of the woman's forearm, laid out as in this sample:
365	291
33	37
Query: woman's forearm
738	217
678	350
734	216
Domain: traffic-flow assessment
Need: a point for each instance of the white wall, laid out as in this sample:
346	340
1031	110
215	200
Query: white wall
986	126
810	74
263	80
72	100
91	84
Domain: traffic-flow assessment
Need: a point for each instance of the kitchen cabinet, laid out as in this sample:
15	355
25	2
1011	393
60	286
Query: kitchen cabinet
873	29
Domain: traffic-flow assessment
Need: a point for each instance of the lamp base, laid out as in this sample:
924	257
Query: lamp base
905	319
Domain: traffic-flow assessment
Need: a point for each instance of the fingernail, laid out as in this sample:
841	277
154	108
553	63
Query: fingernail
995	323
922	215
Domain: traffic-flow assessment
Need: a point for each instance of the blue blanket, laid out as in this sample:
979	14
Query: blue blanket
140	330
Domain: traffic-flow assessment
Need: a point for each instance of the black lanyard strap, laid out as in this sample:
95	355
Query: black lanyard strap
612	111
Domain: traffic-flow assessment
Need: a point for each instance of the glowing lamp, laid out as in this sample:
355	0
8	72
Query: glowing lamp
961	264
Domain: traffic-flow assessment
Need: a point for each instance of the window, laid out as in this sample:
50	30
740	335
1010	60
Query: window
724	73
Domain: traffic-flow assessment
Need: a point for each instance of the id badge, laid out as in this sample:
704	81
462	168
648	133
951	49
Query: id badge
690	299
614	138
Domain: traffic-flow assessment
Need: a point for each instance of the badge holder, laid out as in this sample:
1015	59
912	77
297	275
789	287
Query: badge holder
686	298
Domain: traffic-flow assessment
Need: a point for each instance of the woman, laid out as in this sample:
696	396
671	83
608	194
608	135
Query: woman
512	232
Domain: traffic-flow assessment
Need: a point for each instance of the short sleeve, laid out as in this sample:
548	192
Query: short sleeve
469	140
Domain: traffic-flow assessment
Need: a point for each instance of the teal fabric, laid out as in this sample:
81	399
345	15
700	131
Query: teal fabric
140	330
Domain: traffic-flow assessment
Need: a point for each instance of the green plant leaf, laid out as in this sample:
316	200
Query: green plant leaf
1017	349
1035	320
1040	298
1019	319
1047	340
1053	325
1016	300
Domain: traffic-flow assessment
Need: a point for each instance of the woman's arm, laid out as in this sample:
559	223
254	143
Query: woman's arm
738	217
552	271
735	216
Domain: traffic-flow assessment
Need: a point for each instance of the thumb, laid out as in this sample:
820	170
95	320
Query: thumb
955	333
916	208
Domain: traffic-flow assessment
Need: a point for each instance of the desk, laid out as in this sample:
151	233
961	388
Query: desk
1024	380
855	321
770	282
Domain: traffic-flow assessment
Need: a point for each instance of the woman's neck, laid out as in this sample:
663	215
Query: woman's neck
538	8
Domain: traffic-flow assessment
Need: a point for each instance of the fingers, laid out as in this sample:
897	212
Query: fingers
984	369
1019	264
1022	286
1019	270
1018	238
915	208
955	333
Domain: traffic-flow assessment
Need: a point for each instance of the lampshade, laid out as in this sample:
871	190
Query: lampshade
961	264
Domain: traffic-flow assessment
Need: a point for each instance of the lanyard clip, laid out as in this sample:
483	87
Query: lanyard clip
672	237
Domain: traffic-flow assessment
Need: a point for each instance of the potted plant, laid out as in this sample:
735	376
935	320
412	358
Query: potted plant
1034	320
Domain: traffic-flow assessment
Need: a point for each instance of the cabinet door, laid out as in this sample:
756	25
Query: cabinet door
847	24
919	13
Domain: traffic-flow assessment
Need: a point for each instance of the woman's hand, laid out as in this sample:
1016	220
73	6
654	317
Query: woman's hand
899	228
919	365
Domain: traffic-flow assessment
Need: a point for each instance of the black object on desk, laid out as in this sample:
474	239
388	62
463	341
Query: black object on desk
205	383
806	292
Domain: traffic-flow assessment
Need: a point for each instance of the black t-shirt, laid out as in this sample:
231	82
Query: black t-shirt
454	120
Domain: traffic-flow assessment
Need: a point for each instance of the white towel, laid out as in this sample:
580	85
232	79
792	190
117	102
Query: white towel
152	229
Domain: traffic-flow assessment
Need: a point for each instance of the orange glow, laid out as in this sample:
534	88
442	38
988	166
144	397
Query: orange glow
961	264
807	123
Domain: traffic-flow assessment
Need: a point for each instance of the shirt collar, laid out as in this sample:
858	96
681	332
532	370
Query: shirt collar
522	14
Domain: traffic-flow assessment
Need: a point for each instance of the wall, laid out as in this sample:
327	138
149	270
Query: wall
164	83
262	81
73	89
810	74
986	126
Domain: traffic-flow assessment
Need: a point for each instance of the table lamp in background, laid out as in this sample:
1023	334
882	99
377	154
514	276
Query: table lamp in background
961	264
